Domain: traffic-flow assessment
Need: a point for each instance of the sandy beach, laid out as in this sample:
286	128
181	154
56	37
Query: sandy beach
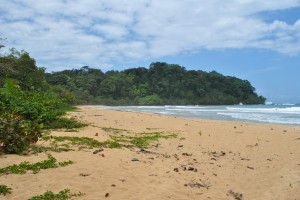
206	160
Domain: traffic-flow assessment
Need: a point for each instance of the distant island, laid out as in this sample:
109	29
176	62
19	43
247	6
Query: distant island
160	84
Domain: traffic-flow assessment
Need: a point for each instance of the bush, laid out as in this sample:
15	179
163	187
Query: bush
23	113
4	190
38	106
16	134
150	100
63	122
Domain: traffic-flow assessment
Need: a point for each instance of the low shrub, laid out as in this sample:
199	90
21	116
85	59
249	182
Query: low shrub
24	113
62	195
23	167
64	122
4	190
16	133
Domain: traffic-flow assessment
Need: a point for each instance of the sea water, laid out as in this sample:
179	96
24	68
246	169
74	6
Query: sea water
287	114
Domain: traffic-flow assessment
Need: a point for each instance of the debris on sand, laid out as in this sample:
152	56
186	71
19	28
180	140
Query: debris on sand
97	151
84	174
235	195
135	159
199	184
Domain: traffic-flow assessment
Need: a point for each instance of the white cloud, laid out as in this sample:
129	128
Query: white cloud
62	33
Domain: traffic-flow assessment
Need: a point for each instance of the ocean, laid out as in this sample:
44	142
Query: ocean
286	114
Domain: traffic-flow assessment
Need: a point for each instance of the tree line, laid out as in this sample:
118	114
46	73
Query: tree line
160	84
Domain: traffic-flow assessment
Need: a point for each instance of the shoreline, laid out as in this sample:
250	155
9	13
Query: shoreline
190	118
207	160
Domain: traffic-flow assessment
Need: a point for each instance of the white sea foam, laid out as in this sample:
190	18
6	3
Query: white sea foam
265	118
293	110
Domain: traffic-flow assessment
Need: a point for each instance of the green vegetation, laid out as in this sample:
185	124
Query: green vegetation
161	84
4	190
118	138
16	133
86	142
140	140
65	123
23	167
62	195
113	130
146	138
28	104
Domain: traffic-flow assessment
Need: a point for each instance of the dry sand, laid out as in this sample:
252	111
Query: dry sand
227	160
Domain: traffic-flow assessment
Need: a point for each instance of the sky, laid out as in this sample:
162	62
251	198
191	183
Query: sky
251	39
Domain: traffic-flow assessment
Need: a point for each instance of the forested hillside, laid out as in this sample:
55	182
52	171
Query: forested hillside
161	84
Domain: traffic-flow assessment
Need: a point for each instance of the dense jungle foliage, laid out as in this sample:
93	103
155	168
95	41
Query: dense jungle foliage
161	84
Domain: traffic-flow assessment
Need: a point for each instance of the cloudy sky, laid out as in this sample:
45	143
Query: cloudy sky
251	39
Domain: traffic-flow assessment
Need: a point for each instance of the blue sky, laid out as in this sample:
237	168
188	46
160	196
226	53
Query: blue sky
250	39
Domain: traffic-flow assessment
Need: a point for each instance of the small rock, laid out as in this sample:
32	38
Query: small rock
235	195
84	174
96	134
176	169
113	185
107	195
180	145
191	168
135	159
97	151
250	167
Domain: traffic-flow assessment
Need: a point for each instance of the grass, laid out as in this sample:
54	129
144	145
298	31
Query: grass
142	140
4	190
68	143
23	167
113	130
86	142
126	140
65	123
54	148
62	195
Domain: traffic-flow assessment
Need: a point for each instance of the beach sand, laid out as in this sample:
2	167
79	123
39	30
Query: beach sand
207	160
